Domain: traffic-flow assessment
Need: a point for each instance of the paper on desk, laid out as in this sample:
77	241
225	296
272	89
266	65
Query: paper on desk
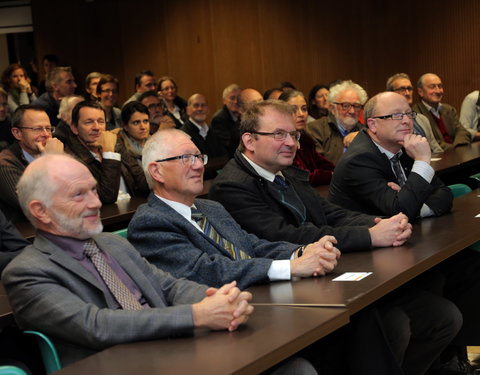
435	159
477	215
352	276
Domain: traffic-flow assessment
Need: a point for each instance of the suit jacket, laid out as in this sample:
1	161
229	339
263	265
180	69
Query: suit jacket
12	165
51	292
227	130
107	173
459	134
256	205
172	243
11	242
328	139
50	105
211	145
360	183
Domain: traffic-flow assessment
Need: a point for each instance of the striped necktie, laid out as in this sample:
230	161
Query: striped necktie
212	233
397	168
119	290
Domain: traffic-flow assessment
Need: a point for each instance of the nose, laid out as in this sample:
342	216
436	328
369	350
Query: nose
94	200
198	164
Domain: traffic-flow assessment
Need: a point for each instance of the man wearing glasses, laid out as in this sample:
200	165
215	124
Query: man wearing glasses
386	169
443	118
401	84
334	132
33	134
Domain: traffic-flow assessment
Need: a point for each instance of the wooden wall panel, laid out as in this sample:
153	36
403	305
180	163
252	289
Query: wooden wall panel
208	44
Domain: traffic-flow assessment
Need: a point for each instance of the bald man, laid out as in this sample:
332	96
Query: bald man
247	97
446	126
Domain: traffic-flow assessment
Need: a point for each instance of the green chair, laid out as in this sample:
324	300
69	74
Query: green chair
11	370
476	178
459	189
51	362
121	232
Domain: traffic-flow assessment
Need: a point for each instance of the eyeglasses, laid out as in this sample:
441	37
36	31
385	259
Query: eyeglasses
90	122
39	129
397	116
280	135
173	88
346	106
187	159
404	89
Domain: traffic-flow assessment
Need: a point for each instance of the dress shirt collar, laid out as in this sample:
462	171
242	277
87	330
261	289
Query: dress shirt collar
389	154
234	118
28	157
267	175
435	111
72	246
341	128
203	129
181	209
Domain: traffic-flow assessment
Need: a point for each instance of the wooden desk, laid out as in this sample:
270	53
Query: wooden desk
433	241
272	334
457	164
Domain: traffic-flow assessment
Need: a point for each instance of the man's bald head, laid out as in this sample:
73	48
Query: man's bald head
247	97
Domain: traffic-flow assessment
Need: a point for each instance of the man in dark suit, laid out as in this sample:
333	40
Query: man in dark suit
226	120
175	166
446	126
365	179
89	290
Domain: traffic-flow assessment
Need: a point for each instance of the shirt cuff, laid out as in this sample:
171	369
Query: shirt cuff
426	211
112	155
423	169
279	270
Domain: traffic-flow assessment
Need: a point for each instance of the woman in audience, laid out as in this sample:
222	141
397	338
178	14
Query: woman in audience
6	136
317	102
307	158
17	84
107	94
135	130
167	89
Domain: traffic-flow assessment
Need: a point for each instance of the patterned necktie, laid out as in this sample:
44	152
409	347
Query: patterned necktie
212	233
279	180
119	290
397	168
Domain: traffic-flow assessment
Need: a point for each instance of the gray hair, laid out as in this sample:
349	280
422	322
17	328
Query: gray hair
158	147
336	90
394	78
36	184
66	107
370	108
55	76
229	89
422	77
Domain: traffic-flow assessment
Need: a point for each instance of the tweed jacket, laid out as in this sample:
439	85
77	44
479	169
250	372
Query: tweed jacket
459	134
360	183
172	243
52	292
256	205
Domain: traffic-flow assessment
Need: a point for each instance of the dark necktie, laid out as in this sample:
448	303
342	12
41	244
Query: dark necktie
417	129
279	180
212	233
397	168
119	290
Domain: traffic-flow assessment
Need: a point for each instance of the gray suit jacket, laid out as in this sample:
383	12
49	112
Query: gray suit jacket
169	241
51	292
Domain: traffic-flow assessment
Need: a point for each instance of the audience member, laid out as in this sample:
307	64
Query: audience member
33	137
268	197
247	97
91	83
401	84
60	83
135	130
17	84
158	113
6	136
205	138
225	121
273	93
317	102
11	242
470	114
62	130
49	62
307	158
334	132
167	89
144	81
446	126
107	93
287	86
59	285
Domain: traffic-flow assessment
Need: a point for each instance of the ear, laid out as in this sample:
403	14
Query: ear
39	211
155	172
331	107
372	125
420	92
74	129
17	134
248	141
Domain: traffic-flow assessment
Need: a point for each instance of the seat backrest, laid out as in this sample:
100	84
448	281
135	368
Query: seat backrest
121	232
11	370
459	189
50	358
